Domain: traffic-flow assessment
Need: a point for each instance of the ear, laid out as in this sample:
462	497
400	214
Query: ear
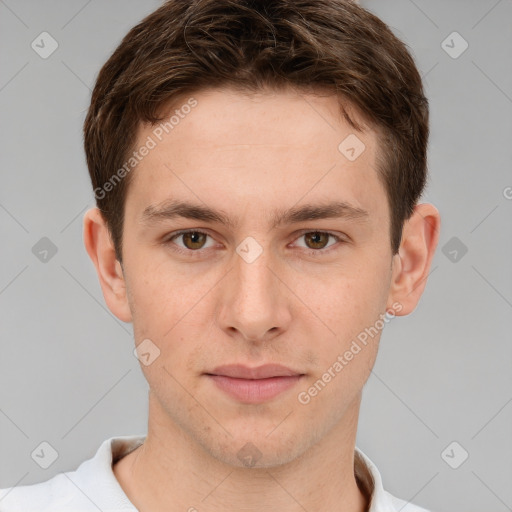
411	265
100	248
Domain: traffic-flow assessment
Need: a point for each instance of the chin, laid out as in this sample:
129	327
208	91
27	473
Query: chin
257	450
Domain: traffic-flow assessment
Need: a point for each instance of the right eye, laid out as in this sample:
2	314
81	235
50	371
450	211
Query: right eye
192	240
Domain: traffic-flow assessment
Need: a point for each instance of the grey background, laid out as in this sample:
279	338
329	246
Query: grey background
67	372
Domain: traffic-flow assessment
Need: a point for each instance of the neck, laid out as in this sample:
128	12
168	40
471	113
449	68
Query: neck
171	471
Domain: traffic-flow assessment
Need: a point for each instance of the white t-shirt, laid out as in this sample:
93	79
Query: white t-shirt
93	486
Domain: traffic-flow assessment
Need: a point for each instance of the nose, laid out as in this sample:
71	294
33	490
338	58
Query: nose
254	304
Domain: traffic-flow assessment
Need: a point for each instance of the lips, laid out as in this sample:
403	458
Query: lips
254	385
238	371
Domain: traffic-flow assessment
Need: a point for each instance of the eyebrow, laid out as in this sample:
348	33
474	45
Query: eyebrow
172	209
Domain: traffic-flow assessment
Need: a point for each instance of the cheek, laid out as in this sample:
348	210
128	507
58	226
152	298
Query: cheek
162	296
346	351
348	309
175	311
346	298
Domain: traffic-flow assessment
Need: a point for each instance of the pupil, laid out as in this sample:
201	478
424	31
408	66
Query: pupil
194	238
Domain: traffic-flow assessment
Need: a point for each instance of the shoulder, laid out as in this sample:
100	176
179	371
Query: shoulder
53	495
402	505
369	478
91	487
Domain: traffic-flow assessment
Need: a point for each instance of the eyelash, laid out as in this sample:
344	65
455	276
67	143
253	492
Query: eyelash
198	252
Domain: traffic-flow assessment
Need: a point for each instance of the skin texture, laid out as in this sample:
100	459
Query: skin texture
249	156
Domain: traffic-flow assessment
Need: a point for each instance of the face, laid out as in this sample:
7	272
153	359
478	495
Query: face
286	260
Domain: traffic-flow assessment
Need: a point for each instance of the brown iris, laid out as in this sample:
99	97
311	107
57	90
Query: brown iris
196	239
318	239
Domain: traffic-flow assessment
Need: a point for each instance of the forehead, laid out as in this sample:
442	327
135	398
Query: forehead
252	151
249	117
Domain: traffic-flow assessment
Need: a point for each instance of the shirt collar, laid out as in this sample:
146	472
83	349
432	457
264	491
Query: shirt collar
370	483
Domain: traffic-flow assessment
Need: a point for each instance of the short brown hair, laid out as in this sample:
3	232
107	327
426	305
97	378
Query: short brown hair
188	45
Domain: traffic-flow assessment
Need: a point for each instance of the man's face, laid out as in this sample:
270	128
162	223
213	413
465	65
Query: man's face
255	291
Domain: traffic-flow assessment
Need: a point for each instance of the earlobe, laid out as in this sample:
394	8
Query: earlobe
411	265
100	248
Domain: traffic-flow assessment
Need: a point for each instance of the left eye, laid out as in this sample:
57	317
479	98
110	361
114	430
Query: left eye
318	240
